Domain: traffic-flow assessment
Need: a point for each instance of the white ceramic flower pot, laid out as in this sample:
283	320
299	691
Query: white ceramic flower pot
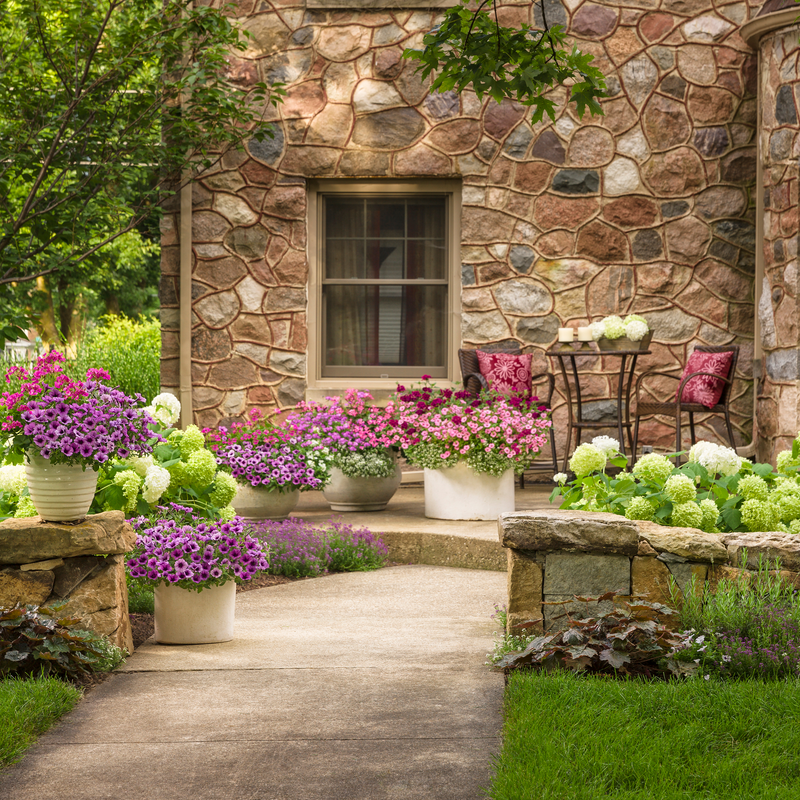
186	617
461	493
59	492
260	503
360	494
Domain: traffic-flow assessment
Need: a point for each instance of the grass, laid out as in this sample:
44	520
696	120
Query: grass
573	737
28	707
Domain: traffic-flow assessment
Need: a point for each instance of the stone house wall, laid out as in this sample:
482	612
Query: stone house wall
650	208
555	555
779	94
81	566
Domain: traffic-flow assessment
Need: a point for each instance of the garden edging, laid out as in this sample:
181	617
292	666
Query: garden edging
556	555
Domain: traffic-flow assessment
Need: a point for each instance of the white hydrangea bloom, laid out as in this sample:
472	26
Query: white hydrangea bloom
716	458
12	478
598	330
636	331
140	464
606	445
156	482
560	477
165	408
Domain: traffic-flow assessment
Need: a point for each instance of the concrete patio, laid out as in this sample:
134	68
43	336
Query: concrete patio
414	539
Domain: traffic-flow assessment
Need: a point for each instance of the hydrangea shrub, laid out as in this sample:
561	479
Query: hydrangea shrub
715	490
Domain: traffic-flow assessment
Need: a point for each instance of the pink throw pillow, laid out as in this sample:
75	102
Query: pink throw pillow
506	373
704	389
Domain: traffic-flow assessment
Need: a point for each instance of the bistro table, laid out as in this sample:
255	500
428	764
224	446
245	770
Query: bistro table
568	352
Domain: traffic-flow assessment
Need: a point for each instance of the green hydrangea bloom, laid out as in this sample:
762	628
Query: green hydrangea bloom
25	508
224	490
758	515
710	515
680	488
640	508
227	513
794	526
783	527
191	441
786	495
634	318
178	476
784	461
653	467
175	438
753	487
587	459
130	483
201	468
687	515
614	327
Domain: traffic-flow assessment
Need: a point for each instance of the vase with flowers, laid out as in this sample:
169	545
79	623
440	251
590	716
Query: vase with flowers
271	465
616	333
365	473
193	563
470	447
64	430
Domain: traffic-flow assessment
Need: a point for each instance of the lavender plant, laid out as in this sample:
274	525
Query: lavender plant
749	627
174	546
299	549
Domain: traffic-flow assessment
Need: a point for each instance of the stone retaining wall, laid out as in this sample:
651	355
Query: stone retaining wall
555	555
81	565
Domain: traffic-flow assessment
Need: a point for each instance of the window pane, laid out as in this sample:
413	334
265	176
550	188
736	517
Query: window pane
385	325
345	258
386	218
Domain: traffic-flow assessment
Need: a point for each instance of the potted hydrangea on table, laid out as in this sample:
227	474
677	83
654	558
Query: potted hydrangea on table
616	333
365	472
60	427
271	465
469	447
194	564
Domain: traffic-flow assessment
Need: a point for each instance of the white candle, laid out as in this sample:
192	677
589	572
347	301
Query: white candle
584	334
566	334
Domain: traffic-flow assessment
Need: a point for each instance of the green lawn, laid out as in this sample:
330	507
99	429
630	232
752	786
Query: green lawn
571	737
29	707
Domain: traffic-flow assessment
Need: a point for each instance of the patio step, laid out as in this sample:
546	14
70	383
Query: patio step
414	539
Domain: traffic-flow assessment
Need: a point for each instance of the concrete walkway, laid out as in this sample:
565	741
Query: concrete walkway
361	686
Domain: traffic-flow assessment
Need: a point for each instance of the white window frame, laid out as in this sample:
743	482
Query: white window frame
318	385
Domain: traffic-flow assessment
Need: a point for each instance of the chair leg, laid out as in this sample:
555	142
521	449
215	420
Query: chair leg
677	438
552	438
522	480
635	445
730	428
691	426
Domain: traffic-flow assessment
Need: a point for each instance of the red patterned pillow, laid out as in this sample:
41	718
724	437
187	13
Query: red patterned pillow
704	389
506	373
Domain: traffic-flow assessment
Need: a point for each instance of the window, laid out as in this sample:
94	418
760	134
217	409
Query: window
384	265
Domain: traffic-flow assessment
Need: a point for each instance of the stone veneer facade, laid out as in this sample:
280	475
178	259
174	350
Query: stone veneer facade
650	209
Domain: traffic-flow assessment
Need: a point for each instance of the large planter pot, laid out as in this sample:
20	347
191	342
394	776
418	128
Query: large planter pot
59	492
360	494
183	616
260	503
461	493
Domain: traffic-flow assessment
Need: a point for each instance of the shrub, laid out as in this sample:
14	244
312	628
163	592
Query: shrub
36	639
129	351
628	640
299	549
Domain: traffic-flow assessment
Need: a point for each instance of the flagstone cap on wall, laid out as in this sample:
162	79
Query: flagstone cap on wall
31	539
602	533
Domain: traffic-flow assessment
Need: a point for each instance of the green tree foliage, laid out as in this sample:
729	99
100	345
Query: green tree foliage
105	105
471	48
